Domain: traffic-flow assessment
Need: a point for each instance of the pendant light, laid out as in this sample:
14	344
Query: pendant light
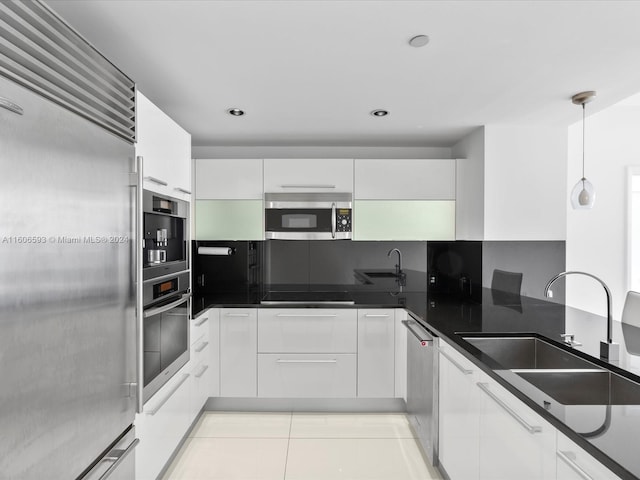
583	195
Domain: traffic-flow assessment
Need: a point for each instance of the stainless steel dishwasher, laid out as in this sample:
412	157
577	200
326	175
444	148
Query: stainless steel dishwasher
422	386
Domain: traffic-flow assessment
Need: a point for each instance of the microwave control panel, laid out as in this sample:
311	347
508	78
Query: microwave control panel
343	220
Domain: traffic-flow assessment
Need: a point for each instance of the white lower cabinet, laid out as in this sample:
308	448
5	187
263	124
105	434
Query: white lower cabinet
459	422
163	423
515	442
573	463
376	353
307	375
238	352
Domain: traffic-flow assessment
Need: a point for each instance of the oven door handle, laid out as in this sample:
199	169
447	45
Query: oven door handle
165	308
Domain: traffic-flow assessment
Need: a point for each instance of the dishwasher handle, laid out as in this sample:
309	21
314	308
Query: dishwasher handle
425	339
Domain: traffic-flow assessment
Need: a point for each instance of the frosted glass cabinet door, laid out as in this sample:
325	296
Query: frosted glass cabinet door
229	220
404	220
238	352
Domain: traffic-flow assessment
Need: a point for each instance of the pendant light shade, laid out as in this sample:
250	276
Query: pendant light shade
583	195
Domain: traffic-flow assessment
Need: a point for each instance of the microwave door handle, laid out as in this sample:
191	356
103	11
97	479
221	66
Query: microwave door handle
333	220
155	311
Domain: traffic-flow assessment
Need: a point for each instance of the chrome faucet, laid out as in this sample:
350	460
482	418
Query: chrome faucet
399	264
608	350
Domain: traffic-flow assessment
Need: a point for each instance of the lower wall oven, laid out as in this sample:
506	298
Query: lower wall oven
422	386
165	329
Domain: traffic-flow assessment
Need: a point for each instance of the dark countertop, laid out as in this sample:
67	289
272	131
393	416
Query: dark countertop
449	315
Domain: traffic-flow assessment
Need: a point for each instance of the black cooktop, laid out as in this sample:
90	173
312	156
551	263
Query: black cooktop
307	297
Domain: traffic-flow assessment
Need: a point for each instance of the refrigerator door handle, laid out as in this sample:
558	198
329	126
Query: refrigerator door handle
139	285
117	456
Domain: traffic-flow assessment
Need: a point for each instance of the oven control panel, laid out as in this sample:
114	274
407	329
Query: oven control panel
343	220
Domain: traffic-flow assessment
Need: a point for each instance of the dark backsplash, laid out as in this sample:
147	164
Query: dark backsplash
459	268
333	262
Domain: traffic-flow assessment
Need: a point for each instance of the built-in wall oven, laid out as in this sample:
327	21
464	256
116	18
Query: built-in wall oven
166	235
307	216
165	329
166	289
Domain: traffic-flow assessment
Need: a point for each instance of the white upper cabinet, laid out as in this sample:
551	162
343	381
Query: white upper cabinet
410	179
166	149
228	179
308	175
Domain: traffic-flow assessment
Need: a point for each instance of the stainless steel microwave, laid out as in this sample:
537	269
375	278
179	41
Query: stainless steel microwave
307	216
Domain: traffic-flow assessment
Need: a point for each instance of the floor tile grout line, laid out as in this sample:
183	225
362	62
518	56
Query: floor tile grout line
286	457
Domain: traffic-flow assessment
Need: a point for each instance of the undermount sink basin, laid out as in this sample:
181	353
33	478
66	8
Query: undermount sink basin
528	353
380	274
563	376
582	387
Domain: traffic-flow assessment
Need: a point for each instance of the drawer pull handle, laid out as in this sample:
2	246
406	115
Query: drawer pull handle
201	347
530	428
156	181
307	186
182	190
202	322
237	314
169	394
376	315
315	315
201	371
306	361
566	458
456	364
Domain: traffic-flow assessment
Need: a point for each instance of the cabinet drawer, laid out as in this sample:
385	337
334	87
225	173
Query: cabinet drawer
574	463
307	331
307	376
199	327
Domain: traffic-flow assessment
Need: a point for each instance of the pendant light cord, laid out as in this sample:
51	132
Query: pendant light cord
583	139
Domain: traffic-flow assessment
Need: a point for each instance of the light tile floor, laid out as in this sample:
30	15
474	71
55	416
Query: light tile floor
300	446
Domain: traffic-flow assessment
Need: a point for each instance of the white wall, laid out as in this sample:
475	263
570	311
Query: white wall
320	152
470	186
525	183
597	238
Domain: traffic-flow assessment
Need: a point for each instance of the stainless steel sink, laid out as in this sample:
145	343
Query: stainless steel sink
380	274
563	376
528	353
595	387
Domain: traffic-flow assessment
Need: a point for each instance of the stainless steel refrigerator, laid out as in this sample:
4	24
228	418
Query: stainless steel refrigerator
67	280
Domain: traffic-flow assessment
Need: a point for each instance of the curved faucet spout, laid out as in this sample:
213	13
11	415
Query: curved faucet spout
399	265
547	293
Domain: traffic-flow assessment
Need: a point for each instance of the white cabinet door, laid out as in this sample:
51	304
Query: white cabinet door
376	353
515	442
163	423
307	330
166	149
308	175
576	464
400	354
238	352
214	353
228	179
405	179
329	375
459	415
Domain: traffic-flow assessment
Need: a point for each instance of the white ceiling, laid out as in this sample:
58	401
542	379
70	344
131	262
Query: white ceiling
309	72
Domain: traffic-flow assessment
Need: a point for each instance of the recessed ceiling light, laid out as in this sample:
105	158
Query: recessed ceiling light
236	112
419	41
379	113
